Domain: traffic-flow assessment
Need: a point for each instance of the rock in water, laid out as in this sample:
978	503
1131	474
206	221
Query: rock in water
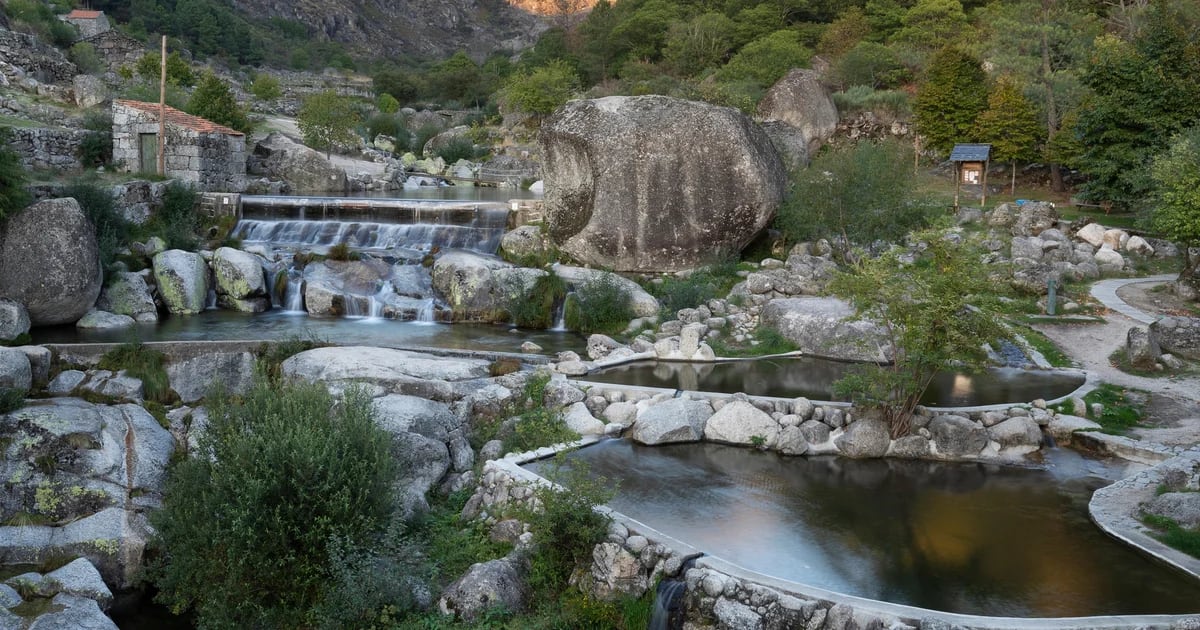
50	262
652	183
182	279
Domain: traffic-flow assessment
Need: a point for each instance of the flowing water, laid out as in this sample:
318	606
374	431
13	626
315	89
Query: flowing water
814	378
958	537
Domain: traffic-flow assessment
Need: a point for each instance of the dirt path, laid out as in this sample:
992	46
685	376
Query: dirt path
1173	409
287	126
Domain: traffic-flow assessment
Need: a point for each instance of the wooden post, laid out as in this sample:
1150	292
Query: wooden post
957	185
162	110
916	154
983	190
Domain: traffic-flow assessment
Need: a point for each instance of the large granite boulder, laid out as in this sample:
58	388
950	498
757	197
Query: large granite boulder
495	584
801	102
14	320
652	183
865	438
1034	217
956	436
50	262
15	371
739	422
128	294
385	370
465	280
302	168
825	326
675	420
1179	336
241	285
182	279
195	377
526	242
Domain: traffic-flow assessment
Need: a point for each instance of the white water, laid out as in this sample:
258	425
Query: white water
560	316
425	313
293	297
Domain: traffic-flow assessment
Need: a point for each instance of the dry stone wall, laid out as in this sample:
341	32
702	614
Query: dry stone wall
46	148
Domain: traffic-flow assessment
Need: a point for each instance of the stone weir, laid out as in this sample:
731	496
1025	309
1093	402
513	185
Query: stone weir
371	224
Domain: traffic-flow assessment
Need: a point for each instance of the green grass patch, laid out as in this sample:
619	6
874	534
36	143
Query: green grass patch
11	399
1123	408
1174	535
600	305
766	342
452	544
1050	350
145	364
697	288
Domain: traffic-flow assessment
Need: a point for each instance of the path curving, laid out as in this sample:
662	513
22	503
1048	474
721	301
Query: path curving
1105	291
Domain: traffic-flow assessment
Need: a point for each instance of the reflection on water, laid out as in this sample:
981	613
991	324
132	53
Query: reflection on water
216	325
814	378
967	538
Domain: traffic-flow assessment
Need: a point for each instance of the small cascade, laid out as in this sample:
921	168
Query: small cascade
424	314
375	303
210	300
668	599
560	315
293	295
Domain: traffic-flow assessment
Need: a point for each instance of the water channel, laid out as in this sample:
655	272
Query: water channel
957	537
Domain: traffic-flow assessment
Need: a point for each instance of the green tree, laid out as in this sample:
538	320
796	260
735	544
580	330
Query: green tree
543	90
700	43
767	59
265	87
248	522
13	195
933	24
387	104
457	78
1143	92
844	33
861	193
952	96
933	317
327	119
178	70
1176	213
1010	124
213	100
870	64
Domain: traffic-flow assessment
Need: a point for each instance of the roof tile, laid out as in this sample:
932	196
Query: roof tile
181	119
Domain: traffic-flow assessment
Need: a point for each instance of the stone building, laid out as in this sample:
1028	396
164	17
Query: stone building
89	23
198	151
117	49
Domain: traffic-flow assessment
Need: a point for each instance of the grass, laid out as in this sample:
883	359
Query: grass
1174	535
272	355
145	364
455	545
1123	408
768	342
697	288
601	305
1050	350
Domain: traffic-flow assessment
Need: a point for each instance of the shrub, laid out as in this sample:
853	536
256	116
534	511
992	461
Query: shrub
883	103
13	196
600	305
11	399
112	230
341	251
284	478
696	288
213	100
145	364
97	146
372	586
567	527
392	125
84	56
424	134
265	87
458	148
534	307
177	221
387	103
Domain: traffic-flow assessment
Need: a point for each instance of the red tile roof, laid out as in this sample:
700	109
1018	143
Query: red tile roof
181	119
82	14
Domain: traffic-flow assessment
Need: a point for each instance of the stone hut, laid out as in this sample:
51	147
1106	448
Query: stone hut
89	23
117	49
210	156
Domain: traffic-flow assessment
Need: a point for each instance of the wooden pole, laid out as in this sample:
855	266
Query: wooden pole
162	110
957	185
983	191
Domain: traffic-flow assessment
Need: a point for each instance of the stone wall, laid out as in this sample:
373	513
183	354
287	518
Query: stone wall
45	148
22	57
90	27
209	160
117	49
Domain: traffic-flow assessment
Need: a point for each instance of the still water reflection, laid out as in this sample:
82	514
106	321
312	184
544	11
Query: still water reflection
967	538
814	378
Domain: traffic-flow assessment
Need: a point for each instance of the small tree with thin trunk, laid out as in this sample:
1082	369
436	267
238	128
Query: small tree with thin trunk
327	119
928	300
1010	124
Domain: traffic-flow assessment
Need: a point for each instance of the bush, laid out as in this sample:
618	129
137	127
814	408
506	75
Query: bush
265	87
458	148
85	57
341	251
567	527
177	221
13	195
283	480
884	103
372	586
601	305
534	307
861	193
424	134
387	103
213	100
11	399
112	230
145	364
392	125
696	288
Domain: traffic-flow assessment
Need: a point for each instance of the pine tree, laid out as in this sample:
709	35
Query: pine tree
1010	124
214	101
952	97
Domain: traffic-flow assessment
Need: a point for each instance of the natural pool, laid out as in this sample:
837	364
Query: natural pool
957	537
215	325
814	378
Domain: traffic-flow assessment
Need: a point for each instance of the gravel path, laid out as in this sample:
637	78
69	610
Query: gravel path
352	166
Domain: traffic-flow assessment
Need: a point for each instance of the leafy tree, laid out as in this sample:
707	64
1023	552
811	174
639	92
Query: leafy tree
403	86
1010	124
213	100
544	90
327	119
282	477
643	32
1144	92
265	87
767	59
844	33
85	57
702	42
861	193
387	103
13	196
871	64
457	78
933	24
952	96
1176	214
178	70
932	315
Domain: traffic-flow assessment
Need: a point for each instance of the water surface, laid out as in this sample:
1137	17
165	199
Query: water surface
966	538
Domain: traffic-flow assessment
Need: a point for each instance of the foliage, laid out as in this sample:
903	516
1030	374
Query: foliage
884	103
931	24
326	120
149	67
600	305
271	355
42	19
872	65
845	33
950	99
387	104
767	59
177	221
703	42
95	149
112	230
932	317
341	251
1144	91
1122	407
283	478
1176	175
533	306
862	193
265	87
568	525
85	57
213	100
766	342
458	148
696	288
452	545
11	399
542	91
13	195
1009	124
145	364
373	585
391	125
538	427
1174	534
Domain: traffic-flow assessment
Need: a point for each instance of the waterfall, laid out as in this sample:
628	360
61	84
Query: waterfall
560	315
667	613
424	313
293	296
210	300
